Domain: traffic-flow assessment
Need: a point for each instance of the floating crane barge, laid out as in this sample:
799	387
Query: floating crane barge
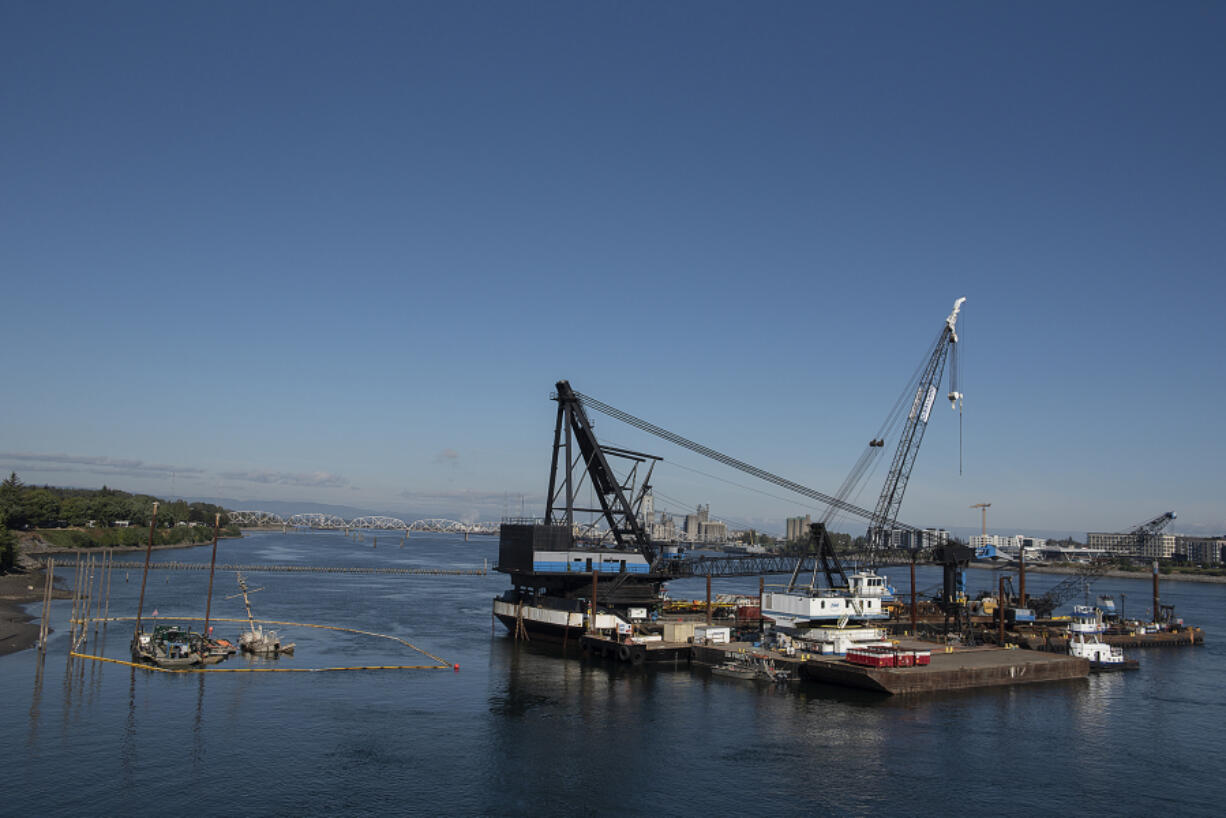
608	601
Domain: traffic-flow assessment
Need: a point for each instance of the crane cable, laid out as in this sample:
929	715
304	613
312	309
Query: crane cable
732	462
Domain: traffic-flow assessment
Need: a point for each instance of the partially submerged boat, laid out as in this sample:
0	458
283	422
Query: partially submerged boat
256	639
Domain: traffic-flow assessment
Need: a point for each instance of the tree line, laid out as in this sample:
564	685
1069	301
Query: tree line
101	514
25	507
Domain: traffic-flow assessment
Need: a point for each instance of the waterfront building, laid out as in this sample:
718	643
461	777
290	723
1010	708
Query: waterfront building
714	531
692	532
797	528
1010	546
1157	547
1201	550
1112	542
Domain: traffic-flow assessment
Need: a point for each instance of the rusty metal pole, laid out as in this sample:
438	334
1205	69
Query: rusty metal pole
208	605
708	599
595	580
761	598
1021	575
140	607
1155	590
1000	610
914	605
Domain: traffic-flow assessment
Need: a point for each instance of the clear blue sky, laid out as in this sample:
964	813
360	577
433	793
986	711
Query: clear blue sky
340	253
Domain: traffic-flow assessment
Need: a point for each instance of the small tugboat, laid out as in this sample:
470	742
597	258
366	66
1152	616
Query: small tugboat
1085	641
255	639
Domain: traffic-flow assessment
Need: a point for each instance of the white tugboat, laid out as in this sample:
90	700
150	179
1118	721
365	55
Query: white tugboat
1085	641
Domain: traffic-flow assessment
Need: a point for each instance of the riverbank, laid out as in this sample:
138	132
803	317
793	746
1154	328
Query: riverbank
18	630
1115	573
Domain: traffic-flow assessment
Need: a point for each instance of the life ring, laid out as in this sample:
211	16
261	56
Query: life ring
623	653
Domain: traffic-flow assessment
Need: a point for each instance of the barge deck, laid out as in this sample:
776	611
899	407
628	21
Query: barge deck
960	669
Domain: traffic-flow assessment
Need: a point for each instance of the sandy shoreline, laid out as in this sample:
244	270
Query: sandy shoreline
19	631
18	589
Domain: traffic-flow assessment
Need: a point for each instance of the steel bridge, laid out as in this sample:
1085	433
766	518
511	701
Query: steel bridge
752	565
333	522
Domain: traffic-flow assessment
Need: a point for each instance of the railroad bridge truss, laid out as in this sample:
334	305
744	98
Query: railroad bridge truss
333	522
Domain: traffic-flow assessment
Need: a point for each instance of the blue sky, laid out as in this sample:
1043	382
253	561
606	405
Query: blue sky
335	253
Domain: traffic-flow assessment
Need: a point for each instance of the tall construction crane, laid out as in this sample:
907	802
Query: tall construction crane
945	347
984	507
1135	539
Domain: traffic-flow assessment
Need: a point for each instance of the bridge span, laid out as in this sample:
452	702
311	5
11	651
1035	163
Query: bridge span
333	522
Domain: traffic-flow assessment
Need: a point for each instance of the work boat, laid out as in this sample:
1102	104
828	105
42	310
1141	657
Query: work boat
169	646
1085	641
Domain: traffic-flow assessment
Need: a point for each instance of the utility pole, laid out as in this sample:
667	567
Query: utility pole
984	507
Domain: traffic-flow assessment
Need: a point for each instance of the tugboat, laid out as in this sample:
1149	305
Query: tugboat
1085	641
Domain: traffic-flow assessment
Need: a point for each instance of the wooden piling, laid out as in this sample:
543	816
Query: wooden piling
110	565
140	606
47	593
708	599
1021	576
1157	610
914	604
208	605
1000	611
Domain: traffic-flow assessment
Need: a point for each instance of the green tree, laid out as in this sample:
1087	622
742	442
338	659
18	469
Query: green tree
8	548
75	510
41	507
11	494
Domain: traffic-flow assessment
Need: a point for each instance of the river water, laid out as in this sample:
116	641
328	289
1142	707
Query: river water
521	730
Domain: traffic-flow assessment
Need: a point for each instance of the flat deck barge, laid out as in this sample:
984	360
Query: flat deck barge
1055	641
961	669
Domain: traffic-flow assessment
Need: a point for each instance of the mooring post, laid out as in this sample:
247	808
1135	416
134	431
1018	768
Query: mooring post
1000	610
914	606
708	598
140	606
46	627
110	566
761	598
595	582
76	604
1156	609
208	605
1021	575
98	599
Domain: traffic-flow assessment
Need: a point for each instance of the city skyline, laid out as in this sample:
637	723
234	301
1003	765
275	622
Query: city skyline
304	253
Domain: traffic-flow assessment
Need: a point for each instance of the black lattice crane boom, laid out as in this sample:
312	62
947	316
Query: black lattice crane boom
1135	539
573	427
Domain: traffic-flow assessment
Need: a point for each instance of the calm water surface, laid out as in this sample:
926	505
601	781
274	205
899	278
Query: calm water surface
520	730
